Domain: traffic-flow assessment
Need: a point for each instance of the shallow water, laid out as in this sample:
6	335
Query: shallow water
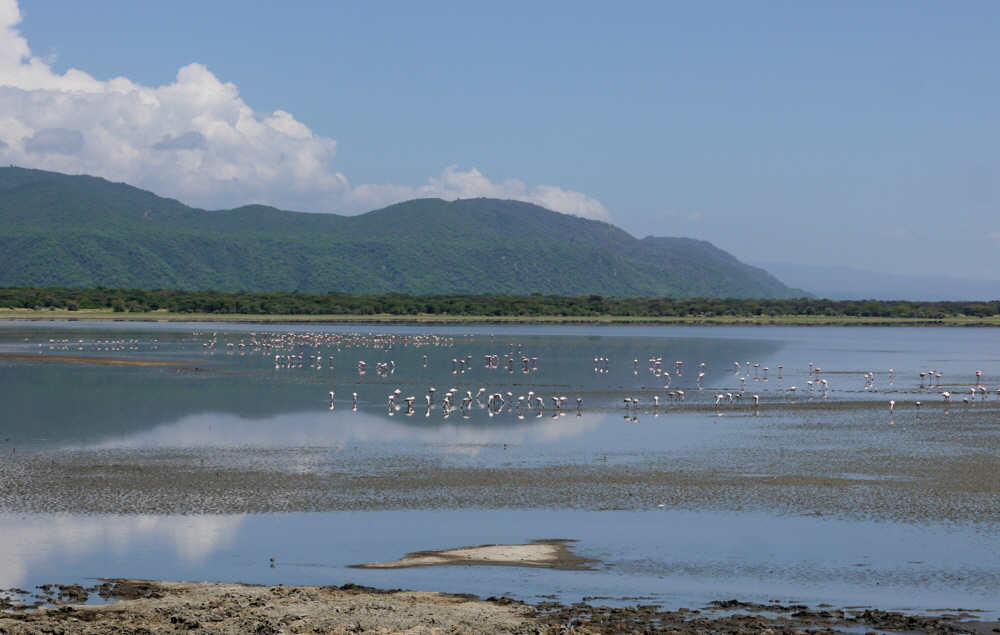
873	509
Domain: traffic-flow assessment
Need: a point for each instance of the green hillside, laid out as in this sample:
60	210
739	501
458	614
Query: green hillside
84	231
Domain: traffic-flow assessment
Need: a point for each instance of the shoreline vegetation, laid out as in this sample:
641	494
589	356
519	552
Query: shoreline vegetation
63	303
785	320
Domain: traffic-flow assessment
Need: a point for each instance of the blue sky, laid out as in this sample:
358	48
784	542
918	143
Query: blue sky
856	133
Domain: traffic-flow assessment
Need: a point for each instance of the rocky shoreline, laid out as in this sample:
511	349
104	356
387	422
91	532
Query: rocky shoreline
155	608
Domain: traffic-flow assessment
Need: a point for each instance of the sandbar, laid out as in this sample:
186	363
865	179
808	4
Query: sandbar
544	554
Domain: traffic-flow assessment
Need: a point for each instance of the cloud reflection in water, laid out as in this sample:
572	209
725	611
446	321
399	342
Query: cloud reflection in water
36	542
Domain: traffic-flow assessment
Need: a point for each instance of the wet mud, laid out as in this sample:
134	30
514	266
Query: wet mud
869	484
81	359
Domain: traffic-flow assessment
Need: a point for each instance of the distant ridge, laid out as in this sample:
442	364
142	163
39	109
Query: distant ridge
850	283
83	231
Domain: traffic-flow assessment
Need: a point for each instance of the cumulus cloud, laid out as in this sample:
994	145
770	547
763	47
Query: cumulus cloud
454	184
190	140
198	141
59	140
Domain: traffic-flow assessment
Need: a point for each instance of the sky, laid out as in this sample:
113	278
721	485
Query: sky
825	133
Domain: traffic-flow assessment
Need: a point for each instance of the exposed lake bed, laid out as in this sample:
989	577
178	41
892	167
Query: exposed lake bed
209	466
166	607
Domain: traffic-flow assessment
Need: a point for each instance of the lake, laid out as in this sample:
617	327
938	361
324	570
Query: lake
212	451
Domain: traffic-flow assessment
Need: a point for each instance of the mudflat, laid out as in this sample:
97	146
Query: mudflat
206	480
155	608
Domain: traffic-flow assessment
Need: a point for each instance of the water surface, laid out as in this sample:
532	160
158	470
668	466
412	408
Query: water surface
818	495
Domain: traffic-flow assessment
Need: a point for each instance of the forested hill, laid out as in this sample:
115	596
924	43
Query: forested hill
83	231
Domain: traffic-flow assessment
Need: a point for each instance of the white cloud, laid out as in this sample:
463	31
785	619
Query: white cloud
57	140
196	140
454	184
190	140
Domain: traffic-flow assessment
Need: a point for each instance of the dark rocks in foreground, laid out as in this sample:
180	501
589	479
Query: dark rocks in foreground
168	607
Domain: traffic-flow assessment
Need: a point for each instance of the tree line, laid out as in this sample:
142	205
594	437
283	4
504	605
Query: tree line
296	303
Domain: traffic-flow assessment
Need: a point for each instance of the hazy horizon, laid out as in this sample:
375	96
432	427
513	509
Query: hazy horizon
843	282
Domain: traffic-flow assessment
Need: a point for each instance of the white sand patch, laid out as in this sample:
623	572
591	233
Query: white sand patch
551	554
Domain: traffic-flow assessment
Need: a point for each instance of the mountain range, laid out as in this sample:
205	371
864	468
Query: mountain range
84	231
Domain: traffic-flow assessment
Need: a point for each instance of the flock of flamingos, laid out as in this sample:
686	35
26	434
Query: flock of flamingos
289	351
